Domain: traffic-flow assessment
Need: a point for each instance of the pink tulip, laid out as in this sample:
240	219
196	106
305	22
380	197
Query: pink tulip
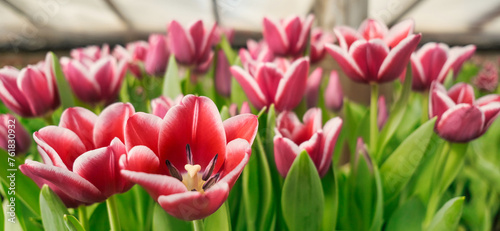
461	118
289	36
312	88
245	109
334	97
373	29
191	46
157	55
162	104
433	62
222	75
81	155
255	53
32	91
292	137
222	31
90	53
487	79
274	83
134	55
13	137
382	112
95	82
318	40
371	61
189	161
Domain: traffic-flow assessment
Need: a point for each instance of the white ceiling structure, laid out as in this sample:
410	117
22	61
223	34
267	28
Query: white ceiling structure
46	24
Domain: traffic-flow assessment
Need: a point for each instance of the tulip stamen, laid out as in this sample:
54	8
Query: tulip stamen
173	170
210	182
189	154
210	168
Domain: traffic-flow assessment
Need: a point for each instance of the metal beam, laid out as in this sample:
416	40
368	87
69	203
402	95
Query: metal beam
119	14
404	12
478	24
17	10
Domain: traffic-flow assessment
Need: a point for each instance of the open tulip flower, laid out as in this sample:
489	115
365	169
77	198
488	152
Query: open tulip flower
31	91
461	118
90	53
433	62
318	40
95	82
372	61
135	54
81	155
292	137
255	53
191	46
274	83
289	36
21	137
189	161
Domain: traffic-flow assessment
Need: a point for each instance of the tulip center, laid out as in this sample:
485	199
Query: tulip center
192	178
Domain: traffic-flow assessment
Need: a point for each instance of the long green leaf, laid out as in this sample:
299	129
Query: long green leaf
219	221
2	222
171	82
408	217
99	218
65	94
72	224
378	215
162	221
330	190
52	210
401	164
448	216
453	165
302	200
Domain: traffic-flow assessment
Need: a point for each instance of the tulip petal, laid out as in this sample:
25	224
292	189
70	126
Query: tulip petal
275	37
197	122
372	29
103	71
82	82
487	99
155	184
305	34
241	126
195	205
111	123
250	87
432	57
142	159
439	102
10	95
142	129
181	44
331	132
292	87
462	93
157	55
197	32
334	97
312	88
397	59
456	58
223	75
346	62
268	77
399	32
461	123
419	80
313	147
81	121
237	154
33	84
285	152
293	29
491	112
346	36
368	56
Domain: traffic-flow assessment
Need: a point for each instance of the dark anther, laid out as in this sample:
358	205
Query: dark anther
211	181
189	154
173	171
210	168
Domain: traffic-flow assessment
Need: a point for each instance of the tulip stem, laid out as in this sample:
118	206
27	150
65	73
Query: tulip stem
198	225
113	214
373	119
49	120
82	215
425	107
188	88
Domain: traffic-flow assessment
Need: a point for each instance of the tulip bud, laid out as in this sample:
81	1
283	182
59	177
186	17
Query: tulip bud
223	75
312	88
13	137
334	98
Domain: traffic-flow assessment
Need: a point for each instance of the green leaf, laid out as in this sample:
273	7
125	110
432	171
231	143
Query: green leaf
302	200
72	223
408	217
219	221
224	113
448	216
402	163
171	82
65	94
2	222
163	221
396	114
237	94
378	216
228	50
52	210
99	218
330	190
453	164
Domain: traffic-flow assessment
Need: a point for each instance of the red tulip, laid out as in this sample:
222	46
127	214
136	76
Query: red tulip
433	62
255	53
312	88
90	53
81	155
334	97
13	137
191	46
32	91
134	55
292	137
318	40
274	83
371	61
373	29
289	36
157	55
95	82
189	161
460	117
162	104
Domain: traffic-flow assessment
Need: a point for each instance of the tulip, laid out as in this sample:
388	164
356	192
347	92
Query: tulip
32	91
373	29
274	83
383	114
312	88
222	75
433	62
160	105
461	118
189	161
288	37
13	137
81	155
318	40
487	79
90	53
292	137
255	53
245	109
157	55
334	97
371	61
191	46
222	31
95	82
134	55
